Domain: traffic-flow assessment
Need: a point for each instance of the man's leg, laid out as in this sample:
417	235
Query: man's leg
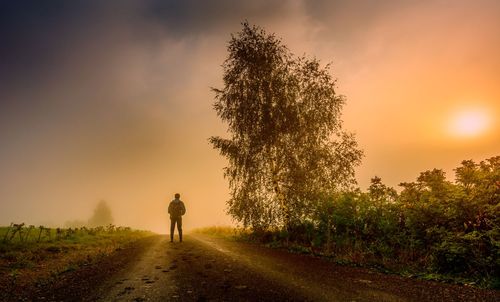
179	228
172	228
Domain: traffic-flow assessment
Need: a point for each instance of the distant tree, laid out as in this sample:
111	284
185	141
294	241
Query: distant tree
287	146
102	215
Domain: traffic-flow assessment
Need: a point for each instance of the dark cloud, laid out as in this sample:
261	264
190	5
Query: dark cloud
92	92
37	35
194	17
62	58
61	41
345	21
71	87
353	12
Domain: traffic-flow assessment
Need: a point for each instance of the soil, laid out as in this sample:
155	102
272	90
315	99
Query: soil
205	268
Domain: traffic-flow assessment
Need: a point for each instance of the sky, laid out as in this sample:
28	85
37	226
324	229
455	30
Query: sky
111	100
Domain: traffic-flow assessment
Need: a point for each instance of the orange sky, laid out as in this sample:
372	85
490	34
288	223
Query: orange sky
107	102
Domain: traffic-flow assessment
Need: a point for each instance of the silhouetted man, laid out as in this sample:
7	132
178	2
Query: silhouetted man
176	209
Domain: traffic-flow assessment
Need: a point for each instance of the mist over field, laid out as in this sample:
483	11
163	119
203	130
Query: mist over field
111	100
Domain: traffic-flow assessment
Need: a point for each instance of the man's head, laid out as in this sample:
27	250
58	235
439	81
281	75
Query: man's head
177	195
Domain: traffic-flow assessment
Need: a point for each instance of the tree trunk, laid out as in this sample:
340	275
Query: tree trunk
284	209
328	235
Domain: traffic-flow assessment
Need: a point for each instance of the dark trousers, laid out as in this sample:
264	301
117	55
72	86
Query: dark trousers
173	221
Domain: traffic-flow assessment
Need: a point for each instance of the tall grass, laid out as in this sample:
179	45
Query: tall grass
221	231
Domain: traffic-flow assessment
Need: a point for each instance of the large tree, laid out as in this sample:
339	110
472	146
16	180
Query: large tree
287	146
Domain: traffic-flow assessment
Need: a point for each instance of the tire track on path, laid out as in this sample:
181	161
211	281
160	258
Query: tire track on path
146	280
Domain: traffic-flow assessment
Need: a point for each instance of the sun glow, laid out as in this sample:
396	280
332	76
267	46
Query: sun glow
470	123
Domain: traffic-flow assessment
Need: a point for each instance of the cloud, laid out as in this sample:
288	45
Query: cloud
111	99
192	17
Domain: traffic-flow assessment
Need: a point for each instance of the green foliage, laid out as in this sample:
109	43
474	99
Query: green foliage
433	228
287	145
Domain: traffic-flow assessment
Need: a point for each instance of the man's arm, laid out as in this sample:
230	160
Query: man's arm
170	207
183	208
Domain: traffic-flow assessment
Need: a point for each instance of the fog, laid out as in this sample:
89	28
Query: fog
111	101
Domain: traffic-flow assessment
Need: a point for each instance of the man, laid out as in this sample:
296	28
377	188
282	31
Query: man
176	209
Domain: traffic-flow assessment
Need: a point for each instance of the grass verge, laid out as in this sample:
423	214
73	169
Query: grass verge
226	232
32	263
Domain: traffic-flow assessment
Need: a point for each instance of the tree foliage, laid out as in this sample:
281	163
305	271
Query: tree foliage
433	224
286	146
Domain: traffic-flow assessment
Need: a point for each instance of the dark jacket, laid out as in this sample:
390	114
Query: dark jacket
176	208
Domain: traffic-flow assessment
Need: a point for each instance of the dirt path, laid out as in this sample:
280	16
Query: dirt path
194	270
209	269
145	280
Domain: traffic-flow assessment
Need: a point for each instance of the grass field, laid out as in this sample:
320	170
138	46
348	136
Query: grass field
40	254
32	236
